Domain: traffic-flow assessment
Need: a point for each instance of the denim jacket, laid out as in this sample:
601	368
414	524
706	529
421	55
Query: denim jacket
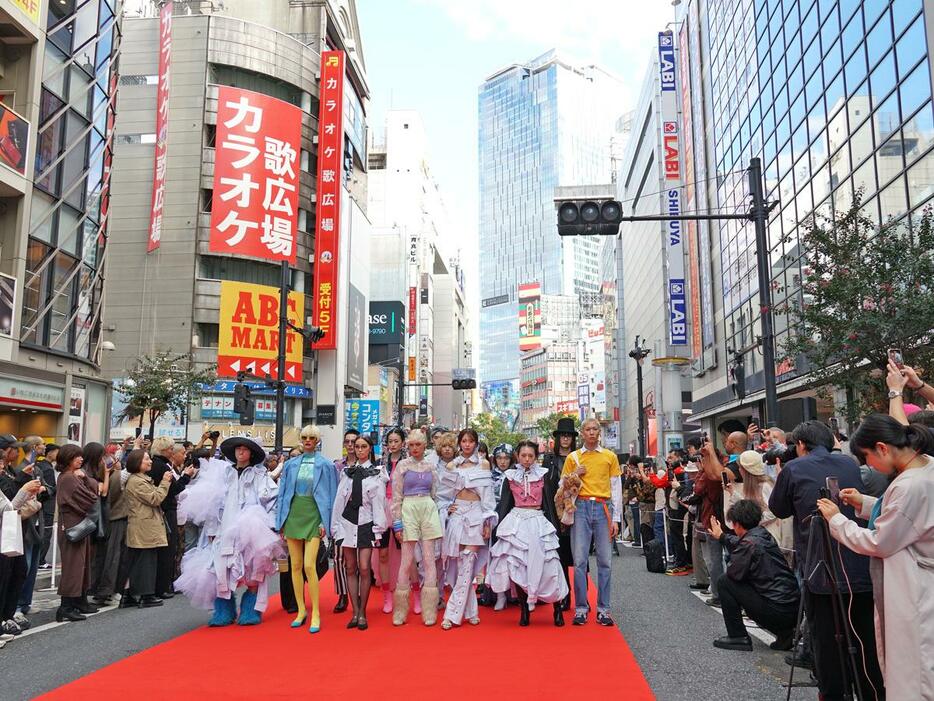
324	490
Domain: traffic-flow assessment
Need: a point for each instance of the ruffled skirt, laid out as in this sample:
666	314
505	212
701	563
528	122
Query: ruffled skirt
463	527
526	552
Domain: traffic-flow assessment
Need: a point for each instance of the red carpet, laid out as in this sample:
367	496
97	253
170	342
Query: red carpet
273	661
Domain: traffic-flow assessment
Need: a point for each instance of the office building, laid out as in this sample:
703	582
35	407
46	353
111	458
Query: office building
542	124
58	69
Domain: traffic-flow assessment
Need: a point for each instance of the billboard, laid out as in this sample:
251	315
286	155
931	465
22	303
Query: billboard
357	339
30	8
157	204
14	140
328	202
501	397
249	331
672	183
530	316
387	323
254	210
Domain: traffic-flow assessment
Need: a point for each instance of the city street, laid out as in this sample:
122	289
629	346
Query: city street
668	628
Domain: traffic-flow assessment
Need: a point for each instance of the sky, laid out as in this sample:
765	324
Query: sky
432	56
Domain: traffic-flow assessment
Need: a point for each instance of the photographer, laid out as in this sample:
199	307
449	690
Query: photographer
757	580
795	494
677	513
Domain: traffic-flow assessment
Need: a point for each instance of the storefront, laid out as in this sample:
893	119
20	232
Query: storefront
30	407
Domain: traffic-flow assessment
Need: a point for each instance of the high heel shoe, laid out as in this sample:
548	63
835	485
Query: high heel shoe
315	625
352	623
559	615
298	622
523	613
341	605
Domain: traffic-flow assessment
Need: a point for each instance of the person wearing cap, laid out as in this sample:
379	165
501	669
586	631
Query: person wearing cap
242	548
565	443
756	486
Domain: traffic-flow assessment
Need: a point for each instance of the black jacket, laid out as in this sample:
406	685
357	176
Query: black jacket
796	492
756	559
160	464
555	464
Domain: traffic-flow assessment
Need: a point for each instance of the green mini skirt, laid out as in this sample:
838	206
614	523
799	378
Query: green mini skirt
303	520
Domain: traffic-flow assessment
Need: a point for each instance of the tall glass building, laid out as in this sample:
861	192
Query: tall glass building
542	124
835	97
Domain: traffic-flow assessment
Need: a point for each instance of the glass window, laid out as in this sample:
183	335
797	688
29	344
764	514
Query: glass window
893	201
68	229
915	89
861	145
852	35
920	182
878	40
903	11
832	60
864	178
855	70
910	48
885	119
919	133
882	80
872	8
834	96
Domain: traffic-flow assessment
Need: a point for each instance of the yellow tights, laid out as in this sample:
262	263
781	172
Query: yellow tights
304	554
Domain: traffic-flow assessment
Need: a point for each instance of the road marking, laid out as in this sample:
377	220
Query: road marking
753	628
56	624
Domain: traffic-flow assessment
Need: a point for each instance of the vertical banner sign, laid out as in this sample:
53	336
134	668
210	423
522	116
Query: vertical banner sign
530	316
327	209
248	340
162	127
255	205
413	311
690	200
672	180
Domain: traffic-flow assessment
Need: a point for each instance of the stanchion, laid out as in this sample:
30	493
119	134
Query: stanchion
54	548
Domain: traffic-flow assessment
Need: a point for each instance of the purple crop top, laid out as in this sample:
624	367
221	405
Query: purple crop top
531	499
417	484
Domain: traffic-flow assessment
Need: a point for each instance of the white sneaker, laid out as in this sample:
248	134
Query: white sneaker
4	637
20	619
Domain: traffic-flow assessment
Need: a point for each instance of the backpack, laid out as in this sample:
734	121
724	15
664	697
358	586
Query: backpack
654	553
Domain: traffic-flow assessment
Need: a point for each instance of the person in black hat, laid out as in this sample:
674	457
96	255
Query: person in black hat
245	548
565	437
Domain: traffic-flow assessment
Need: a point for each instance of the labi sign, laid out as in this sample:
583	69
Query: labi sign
387	323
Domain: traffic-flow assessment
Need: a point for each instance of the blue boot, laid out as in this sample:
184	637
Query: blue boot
249	616
225	612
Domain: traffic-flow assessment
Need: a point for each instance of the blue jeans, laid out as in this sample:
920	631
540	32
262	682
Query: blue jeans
32	569
713	557
658	526
590	523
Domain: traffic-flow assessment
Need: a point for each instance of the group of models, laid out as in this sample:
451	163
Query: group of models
440	507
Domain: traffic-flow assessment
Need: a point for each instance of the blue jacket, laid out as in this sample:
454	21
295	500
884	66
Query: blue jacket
796	492
324	489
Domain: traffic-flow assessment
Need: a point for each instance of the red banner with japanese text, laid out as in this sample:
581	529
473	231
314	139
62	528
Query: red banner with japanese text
254	211
327	210
162	127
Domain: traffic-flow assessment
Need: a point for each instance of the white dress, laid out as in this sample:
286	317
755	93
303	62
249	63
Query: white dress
373	515
526	547
901	546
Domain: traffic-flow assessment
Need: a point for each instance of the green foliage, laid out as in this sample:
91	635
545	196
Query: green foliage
547	425
493	430
865	289
162	383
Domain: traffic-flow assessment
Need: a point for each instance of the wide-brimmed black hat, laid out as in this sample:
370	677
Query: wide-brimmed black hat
566	427
229	446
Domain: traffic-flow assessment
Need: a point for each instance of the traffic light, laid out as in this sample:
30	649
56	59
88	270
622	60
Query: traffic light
243	403
588	217
463	384
314	333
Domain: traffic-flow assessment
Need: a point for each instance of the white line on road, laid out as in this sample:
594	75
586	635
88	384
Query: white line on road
56	624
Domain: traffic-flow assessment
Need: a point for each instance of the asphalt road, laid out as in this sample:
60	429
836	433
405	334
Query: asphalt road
668	628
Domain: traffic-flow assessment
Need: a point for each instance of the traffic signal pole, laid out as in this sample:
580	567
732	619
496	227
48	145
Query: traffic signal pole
284	280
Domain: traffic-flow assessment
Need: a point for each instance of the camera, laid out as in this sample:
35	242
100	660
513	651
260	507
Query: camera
215	435
780	452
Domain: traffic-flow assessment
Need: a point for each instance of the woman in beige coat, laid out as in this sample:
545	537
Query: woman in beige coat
146	529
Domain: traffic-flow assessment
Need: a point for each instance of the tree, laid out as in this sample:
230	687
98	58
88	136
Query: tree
162	383
548	424
493	430
866	288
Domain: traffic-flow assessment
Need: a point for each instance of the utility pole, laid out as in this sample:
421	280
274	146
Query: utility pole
639	353
284	281
759	214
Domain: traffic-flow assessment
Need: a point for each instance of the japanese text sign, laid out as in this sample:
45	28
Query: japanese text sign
162	128
327	210
249	331
255	205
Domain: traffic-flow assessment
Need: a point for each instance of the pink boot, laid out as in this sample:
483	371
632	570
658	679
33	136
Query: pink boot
416	599
387	599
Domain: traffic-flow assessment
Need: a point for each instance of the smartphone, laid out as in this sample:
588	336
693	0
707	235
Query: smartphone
824	493
833	488
726	480
139	431
895	356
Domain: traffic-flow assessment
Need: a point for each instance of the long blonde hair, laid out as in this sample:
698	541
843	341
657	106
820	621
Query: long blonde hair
752	487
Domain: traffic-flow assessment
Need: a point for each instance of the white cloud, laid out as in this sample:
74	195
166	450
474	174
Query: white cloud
587	29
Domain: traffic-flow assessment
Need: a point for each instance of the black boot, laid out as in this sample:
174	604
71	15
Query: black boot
341	604
84	606
68	612
523	612
559	616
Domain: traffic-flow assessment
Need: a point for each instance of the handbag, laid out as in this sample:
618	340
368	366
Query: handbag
11	534
321	562
81	530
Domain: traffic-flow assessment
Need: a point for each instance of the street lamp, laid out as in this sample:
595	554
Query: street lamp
639	353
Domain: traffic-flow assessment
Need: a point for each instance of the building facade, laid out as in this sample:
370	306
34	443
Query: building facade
543	124
170	298
58	88
834	98
414	262
548	384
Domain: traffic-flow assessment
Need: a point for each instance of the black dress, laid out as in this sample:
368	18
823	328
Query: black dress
554	463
